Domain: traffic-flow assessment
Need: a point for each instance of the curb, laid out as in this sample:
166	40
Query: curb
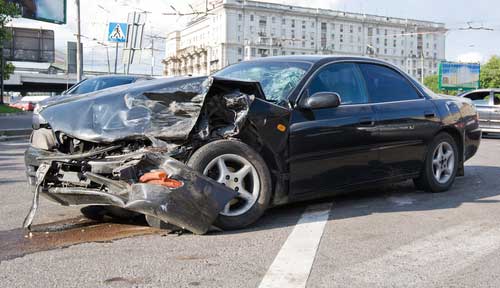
14	114
15	132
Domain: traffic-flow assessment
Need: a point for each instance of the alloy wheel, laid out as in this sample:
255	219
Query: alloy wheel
443	162
238	174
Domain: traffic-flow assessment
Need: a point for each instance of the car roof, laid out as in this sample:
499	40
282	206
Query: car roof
318	58
483	90
118	76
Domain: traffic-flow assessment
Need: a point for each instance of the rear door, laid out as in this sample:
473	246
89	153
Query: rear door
483	101
333	148
406	120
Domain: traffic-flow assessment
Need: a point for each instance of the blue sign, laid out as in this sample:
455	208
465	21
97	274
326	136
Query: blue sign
117	32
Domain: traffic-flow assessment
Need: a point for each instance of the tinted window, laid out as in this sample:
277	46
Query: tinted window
94	84
385	85
497	99
112	82
342	78
479	98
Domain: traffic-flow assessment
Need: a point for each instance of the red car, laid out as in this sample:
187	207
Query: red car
23	105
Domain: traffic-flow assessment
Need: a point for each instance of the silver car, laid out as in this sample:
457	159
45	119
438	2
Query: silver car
487	102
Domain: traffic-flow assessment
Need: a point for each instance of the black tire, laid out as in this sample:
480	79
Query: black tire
426	181
204	155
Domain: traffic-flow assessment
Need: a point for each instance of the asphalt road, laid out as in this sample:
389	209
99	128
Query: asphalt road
20	121
383	237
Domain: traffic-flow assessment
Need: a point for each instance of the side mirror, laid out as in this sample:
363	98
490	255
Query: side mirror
322	100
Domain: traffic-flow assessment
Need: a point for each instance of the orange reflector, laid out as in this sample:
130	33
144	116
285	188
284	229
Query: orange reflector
160	178
281	127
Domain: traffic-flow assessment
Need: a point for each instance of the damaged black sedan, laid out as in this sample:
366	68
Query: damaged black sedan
220	150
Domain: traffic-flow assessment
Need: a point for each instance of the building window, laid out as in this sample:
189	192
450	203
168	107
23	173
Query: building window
283	21
312	24
303	24
293	23
240	51
252	52
359	29
351	29
341	28
273	19
251	17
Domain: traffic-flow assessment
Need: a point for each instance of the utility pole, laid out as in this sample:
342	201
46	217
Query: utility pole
152	57
116	56
422	68
79	52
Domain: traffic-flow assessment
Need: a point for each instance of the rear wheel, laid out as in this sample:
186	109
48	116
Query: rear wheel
441	165
237	166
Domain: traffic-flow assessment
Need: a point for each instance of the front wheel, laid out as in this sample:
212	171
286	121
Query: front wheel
237	166
441	165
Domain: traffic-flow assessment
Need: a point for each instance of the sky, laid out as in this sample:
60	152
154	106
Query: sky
461	45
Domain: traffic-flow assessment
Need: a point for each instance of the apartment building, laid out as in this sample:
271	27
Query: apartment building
237	30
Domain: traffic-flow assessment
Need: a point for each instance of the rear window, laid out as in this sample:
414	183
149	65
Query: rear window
479	98
386	85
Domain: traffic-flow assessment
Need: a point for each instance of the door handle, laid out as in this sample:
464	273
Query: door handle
429	114
367	122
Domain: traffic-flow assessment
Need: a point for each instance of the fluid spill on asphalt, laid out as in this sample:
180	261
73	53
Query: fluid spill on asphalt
19	242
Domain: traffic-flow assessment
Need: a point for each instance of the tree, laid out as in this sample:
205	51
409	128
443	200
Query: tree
490	73
431	82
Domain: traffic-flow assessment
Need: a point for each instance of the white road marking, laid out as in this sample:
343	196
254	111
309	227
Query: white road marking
402	201
424	261
292	265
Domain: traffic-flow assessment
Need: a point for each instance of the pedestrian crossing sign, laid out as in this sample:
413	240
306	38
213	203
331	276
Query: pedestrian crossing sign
117	32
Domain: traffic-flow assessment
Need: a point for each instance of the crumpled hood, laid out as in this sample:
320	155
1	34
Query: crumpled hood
167	109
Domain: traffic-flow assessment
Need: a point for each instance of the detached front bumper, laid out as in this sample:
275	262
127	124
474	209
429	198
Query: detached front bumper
114	181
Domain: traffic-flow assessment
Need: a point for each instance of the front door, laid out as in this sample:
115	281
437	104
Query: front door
333	148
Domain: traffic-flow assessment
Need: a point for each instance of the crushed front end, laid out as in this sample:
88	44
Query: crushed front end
127	146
